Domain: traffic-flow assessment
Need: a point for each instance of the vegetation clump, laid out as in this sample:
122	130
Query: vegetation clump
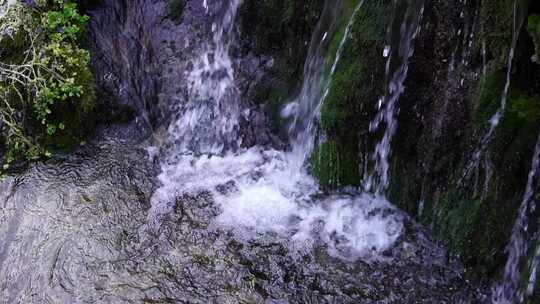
47	90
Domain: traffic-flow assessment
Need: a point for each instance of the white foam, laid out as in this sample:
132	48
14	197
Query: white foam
265	192
361	226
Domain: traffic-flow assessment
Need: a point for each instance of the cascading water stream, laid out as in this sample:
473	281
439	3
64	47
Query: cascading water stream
519	15
396	72
305	110
214	102
260	190
509	290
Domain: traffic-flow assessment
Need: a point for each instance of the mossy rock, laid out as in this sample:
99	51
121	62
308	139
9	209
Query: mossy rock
477	224
354	90
477	230
516	134
281	30
347	10
496	18
336	164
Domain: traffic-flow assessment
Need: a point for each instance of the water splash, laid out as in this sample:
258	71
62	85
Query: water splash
397	67
508	291
260	190
208	120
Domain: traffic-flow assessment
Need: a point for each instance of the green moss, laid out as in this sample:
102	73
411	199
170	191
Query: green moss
356	85
354	89
176	10
515	138
347	10
488	98
496	23
336	164
475	229
337	111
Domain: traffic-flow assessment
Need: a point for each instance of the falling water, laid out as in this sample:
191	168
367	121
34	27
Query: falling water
519	16
508	291
533	270
260	190
209	123
208	120
396	73
305	109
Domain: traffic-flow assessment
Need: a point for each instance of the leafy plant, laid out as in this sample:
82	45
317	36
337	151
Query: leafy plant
45	80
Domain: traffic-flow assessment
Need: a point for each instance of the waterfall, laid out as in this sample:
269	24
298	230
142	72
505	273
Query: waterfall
519	16
208	119
209	123
397	67
305	109
509	290
260	190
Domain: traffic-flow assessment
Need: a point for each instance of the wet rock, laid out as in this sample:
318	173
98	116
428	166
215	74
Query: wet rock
139	59
77	230
142	56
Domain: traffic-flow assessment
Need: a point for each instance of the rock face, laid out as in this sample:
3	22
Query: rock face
444	167
442	129
143	53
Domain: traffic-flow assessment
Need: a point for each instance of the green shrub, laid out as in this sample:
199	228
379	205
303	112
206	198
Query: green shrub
46	86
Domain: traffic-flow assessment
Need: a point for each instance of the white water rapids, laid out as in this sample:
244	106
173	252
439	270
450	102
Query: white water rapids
262	190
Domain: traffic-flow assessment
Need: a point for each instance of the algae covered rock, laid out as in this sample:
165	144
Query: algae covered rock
354	90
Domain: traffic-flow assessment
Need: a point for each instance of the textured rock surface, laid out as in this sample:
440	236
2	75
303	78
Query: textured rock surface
76	231
455	83
142	57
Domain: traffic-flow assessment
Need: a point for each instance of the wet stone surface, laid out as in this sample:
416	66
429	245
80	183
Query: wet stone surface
76	231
